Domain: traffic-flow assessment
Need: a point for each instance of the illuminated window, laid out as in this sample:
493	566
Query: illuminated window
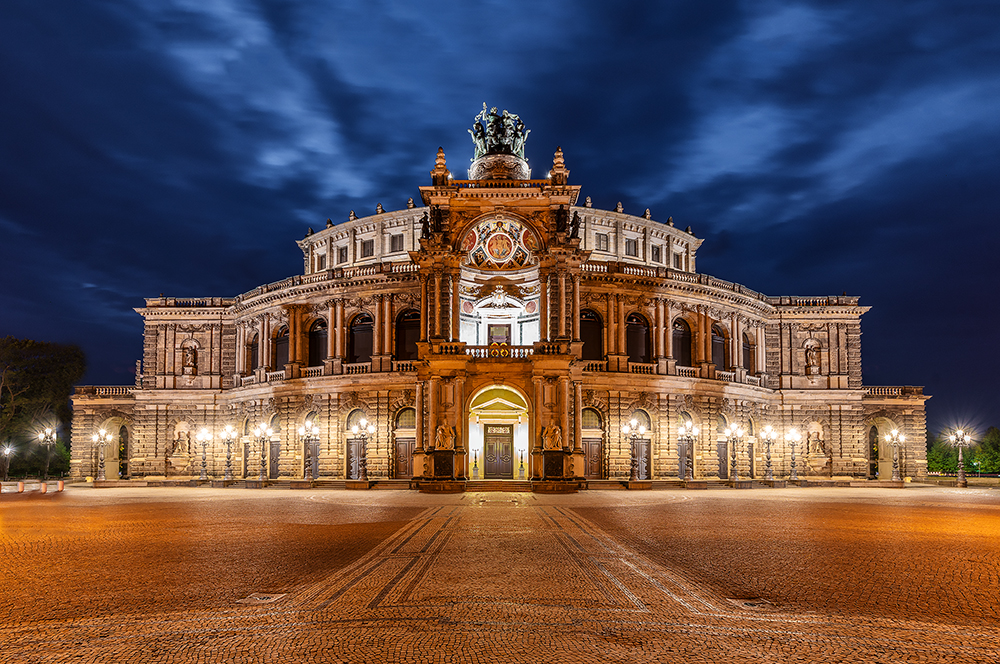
602	241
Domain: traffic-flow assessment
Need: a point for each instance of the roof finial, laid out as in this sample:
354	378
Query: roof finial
440	174
559	173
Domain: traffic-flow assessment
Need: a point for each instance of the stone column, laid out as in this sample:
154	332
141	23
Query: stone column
388	325
564	398
736	344
658	329
461	430
562	304
265	342
620	321
339	306
543	307
332	331
612	328
577	416
536	432
377	327
437	303
424	320
241	350
759	350
576	307
668	333
432	409
455	304
419	425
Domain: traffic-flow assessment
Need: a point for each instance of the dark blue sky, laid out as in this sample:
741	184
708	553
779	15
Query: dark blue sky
180	147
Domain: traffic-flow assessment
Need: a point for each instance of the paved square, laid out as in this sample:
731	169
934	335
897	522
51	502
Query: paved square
182	575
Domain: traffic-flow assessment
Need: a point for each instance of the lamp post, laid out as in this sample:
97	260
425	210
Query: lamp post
263	434
203	437
792	438
362	430
632	431
228	434
896	439
769	435
48	439
7	451
688	433
101	439
309	434
735	436
960	439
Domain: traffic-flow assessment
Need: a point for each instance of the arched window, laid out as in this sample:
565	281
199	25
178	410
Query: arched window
123	452
280	349
355	417
682	342
317	343
592	335
722	425
637	339
641	418
406	418
253	351
719	348
359	343
749	355
407	335
591	419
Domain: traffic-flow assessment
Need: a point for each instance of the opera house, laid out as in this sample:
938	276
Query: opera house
500	328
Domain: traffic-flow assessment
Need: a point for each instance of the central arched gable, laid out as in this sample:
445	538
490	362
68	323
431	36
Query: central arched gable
500	241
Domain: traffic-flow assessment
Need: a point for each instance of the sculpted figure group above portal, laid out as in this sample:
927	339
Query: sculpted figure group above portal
498	133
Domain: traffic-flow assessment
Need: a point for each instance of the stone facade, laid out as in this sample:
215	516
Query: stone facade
474	330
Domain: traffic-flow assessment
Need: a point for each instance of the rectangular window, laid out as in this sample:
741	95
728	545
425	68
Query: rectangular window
321	262
341	254
631	247
678	262
602	241
395	243
367	248
655	253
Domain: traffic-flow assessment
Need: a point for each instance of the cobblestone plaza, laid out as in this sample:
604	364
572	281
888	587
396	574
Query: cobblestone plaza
199	574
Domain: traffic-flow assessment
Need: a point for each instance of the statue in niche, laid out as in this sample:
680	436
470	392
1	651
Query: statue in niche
425	227
812	359
574	227
562	219
189	360
814	444
552	438
444	438
437	218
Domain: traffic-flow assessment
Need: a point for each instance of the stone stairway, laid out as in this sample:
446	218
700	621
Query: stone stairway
498	485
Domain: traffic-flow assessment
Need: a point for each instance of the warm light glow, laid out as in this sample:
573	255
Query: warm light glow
633	422
354	429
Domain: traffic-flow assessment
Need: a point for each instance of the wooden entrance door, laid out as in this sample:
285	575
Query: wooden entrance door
642	452
593	449
275	459
404	458
682	459
314	458
353	459
723	451
498	459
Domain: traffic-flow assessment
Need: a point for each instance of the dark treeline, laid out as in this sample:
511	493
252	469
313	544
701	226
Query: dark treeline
982	456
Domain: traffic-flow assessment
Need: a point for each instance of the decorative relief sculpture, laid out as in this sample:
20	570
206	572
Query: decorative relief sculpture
189	360
552	438
444	438
812	359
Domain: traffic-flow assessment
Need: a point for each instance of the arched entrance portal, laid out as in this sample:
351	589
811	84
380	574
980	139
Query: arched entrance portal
498	434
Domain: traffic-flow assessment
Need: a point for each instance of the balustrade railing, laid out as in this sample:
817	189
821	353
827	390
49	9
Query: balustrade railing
499	352
113	391
312	372
753	380
598	365
274	376
641	368
358	368
727	376
402	365
248	380
687	372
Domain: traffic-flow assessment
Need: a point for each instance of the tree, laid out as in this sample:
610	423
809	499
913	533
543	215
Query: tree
941	456
36	380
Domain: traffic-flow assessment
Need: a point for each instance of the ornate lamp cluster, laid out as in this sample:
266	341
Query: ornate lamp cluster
309	433
633	431
263	434
362	430
896	439
735	435
101	439
960	439
688	433
48	439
